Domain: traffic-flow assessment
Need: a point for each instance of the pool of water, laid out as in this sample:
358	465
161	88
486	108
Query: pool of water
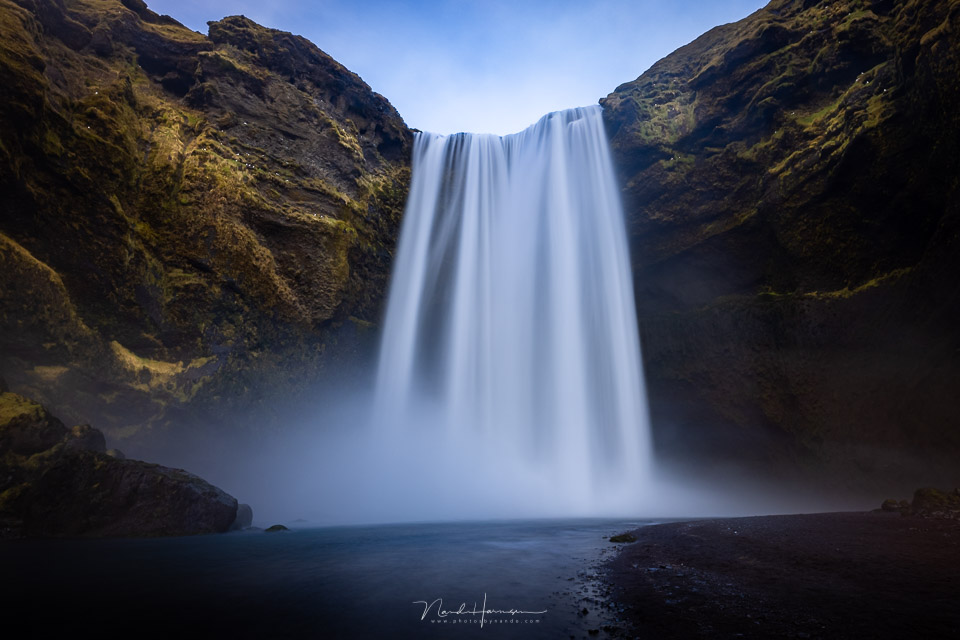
536	578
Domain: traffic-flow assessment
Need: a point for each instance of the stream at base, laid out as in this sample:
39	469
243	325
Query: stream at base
335	582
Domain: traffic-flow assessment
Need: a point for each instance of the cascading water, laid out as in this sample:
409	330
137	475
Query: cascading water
510	363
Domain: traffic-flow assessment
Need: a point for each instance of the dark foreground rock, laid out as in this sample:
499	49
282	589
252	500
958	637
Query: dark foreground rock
927	503
933	503
623	537
834	575
56	482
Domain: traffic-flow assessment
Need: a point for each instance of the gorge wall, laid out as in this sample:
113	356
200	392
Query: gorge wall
191	225
791	186
197	225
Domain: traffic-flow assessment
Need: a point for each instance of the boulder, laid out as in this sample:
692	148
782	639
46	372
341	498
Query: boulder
890	505
57	482
934	503
26	428
90	494
624	537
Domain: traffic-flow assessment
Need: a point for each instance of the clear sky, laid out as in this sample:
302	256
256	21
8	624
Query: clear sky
486	66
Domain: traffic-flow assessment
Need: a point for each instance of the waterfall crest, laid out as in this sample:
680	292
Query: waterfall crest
510	349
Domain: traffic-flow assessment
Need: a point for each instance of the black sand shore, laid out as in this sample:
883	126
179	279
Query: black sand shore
831	575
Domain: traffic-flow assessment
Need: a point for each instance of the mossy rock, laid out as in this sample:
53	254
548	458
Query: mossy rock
59	482
771	172
929	501
623	537
188	220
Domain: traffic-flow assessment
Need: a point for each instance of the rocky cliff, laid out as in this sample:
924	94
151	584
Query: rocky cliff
193	224
791	184
187	221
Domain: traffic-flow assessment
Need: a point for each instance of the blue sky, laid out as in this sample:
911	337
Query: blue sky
491	66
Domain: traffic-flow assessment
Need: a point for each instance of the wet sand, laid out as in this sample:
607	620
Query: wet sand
833	575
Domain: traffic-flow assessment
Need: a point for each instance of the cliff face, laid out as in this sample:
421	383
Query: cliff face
192	224
791	184
185	220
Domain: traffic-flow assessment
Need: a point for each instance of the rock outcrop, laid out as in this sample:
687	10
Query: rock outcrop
57	482
189	223
927	503
791	185
933	503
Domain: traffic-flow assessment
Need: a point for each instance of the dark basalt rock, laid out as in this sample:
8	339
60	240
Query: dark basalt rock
27	429
275	528
623	537
83	494
57	482
790	183
895	506
86	438
934	503
190	223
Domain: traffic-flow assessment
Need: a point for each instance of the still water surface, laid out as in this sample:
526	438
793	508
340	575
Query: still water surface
333	582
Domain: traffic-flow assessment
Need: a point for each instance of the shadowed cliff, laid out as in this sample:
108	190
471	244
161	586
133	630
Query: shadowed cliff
791	185
190	224
196	226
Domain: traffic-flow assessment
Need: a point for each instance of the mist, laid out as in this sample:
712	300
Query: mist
330	464
509	382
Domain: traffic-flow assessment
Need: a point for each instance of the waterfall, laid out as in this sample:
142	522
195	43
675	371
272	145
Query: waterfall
510	361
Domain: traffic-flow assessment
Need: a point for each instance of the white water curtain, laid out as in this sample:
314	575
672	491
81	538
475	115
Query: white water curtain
510	341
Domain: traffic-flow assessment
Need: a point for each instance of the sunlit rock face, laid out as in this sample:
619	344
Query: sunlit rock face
188	222
790	184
